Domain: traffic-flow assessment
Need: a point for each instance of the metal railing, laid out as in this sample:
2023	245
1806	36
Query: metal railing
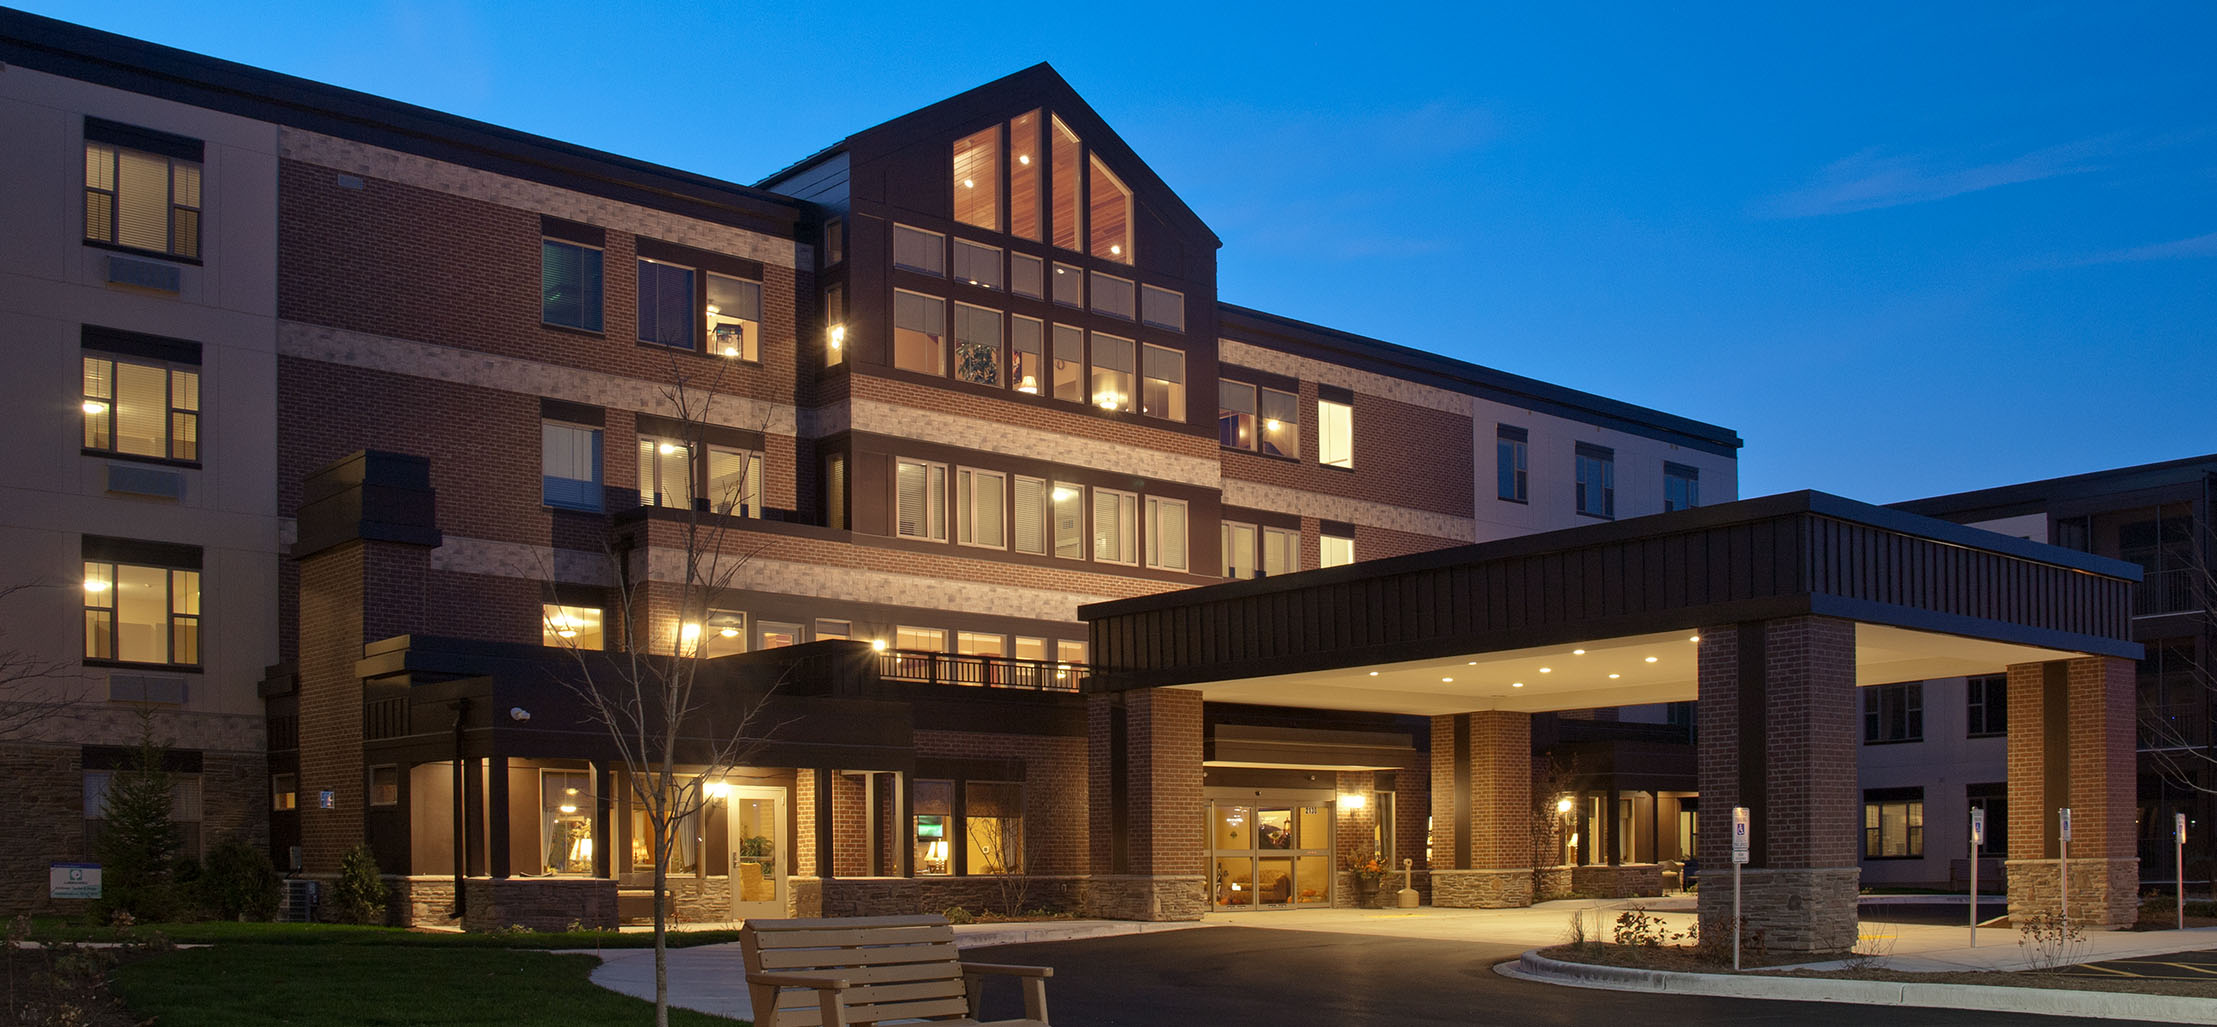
980	671
2169	591
385	718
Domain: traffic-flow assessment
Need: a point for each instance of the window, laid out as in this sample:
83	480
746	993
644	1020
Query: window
915	249
980	505
1235	415
977	264
1281	551
835	491
1681	487
922	640
1511	456
284	792
826	628
1597	481
570	627
920	500
1239	549
384	785
185	806
1067	651
1115	523
1334	550
932	826
1994	799
139	198
1893	823
1069	517
1023	176
977	178
993	825
1063	200
665	473
835	242
1166	533
835	324
141	408
1069	285
566	821
735	481
1163	386
1335	433
1069	366
1893	713
569	460
976	643
1112	372
771	634
724	633
919	330
665	304
569	285
977	345
1163	308
734	317
1112	215
1027	360
1281	424
1032	511
1026	275
1988	699
140	613
1112	295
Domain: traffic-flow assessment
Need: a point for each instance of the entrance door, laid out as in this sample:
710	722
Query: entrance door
758	862
1271	855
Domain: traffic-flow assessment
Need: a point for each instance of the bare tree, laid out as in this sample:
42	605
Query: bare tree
33	688
672	737
1000	840
2176	732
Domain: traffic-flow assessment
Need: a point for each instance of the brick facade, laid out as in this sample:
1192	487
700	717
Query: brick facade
2088	769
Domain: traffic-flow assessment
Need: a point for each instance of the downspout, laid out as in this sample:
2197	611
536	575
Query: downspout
461	811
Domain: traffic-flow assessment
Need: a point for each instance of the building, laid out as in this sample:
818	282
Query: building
2156	516
960	365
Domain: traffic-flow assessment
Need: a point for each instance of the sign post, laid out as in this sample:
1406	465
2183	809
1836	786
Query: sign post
2178	838
2063	865
1978	838
1739	859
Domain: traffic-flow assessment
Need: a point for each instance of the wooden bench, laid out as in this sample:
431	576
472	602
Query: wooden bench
857	970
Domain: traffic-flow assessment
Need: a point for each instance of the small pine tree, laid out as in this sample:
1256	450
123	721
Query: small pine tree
359	897
138	843
239	883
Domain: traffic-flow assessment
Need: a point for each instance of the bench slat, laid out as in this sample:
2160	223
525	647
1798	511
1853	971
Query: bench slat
812	1015
827	959
896	974
920	934
770	927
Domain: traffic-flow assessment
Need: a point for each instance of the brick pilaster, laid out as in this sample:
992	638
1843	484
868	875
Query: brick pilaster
2071	740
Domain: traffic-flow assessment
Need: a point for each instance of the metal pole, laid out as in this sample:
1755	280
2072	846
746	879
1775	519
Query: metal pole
1974	887
1735	916
2178	836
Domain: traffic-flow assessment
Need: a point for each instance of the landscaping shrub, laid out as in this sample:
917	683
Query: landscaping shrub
360	896
138	843
238	882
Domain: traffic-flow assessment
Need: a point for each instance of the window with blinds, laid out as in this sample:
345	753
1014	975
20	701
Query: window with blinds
919	328
1281	551
1239	549
145	409
1027	370
1163	308
1069	363
1115	527
1112	372
1113	296
1068	502
977	345
920	500
734	317
915	249
1031	515
981	503
144	201
1162	388
978	264
569	285
1166	533
665	304
569	460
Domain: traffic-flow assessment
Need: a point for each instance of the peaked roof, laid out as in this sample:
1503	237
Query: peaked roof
1038	86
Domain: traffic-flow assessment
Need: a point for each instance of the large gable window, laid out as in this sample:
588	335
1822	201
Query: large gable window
1112	215
1023	176
1063	151
977	179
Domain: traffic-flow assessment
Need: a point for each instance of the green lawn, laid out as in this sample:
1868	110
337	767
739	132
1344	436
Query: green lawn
217	932
251	985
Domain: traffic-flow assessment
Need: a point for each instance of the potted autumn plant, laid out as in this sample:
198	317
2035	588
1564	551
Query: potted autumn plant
1368	870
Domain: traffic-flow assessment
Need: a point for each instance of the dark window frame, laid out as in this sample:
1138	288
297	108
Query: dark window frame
1893	714
1986	706
1512	456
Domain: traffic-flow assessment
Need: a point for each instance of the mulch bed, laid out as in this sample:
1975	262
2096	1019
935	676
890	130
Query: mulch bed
61	986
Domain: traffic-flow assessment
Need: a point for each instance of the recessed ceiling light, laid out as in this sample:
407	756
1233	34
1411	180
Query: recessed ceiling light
1519	684
1447	681
1547	670
1473	663
1613	677
1578	652
1373	673
1651	659
1695	638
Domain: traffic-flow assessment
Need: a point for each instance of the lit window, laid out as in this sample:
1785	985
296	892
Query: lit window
1027	361
977	345
1166	533
1112	295
1026	275
922	640
570	627
975	643
1069	285
735	481
567	810
1163	308
139	408
1510	458
723	633
569	285
136	613
977	264
1597	481
921	500
1115	526
141	199
993	827
734	317
1112	372
1067	651
1335	550
1024	157
1239	549
1063	151
384	785
1032	512
665	473
826	628
915	249
835	324
1069	515
1681	487
284	792
1163	391
931	826
666	304
1893	823
772	634
919	332
1335	434
835	491
1235	415
1281	551
977	179
1069	363
569	466
980	505
1281	424
1112	215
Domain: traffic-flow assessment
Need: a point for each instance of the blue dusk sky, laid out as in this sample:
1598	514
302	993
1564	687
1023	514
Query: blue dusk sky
1903	250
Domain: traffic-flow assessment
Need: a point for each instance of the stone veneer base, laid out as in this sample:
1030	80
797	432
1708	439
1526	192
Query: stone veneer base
1481	889
1127	897
2104	892
1799	910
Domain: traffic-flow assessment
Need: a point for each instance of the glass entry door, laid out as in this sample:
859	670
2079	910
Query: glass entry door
758	864
1270	855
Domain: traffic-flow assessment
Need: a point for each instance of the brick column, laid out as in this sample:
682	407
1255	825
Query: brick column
2071	745
366	530
1482	793
1144	805
1778	735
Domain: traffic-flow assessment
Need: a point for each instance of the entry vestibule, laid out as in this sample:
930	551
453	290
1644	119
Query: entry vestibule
1270	849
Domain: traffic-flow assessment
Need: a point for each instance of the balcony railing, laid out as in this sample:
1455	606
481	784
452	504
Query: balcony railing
980	671
2170	591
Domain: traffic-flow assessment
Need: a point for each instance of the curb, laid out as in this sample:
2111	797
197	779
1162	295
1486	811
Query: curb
1985	998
